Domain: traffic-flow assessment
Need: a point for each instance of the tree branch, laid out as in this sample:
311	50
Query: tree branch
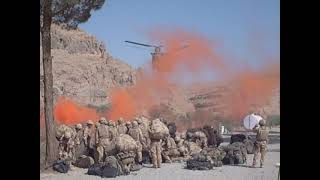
61	10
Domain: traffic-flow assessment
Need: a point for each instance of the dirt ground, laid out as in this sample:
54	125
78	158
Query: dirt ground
176	171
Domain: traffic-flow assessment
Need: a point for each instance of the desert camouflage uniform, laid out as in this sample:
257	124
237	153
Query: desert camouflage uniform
136	134
261	142
78	140
122	129
102	137
182	146
155	149
88	137
169	149
66	146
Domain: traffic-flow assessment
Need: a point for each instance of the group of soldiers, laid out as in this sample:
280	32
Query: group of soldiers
97	140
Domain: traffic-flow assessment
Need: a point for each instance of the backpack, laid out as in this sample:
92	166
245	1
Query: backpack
61	166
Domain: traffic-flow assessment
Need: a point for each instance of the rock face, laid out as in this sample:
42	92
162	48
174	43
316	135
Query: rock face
211	97
79	70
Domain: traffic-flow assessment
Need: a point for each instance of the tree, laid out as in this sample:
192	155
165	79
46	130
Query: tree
70	13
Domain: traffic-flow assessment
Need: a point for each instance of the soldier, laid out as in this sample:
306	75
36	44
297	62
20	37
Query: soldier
144	129
113	129
88	136
136	134
261	142
169	149
181	145
79	143
129	126
66	146
102	140
218	138
122	129
155	150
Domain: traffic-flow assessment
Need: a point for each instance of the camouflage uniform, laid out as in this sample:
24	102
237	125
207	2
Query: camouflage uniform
113	129
129	126
201	140
78	140
102	137
122	129
170	149
181	145
145	133
261	142
88	137
136	134
155	149
66	146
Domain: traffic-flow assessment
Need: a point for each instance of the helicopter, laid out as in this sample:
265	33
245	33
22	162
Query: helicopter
156	55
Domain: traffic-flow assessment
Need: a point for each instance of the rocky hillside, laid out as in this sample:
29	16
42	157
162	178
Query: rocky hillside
211	97
83	69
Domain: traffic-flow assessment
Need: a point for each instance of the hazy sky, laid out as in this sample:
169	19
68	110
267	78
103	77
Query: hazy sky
248	30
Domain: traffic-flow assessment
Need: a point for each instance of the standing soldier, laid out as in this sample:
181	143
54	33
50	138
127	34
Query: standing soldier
261	142
66	146
218	138
155	149
144	129
113	129
79	143
129	126
122	129
102	139
136	134
88	136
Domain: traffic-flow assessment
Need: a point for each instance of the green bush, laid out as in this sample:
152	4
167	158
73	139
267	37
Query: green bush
101	108
273	120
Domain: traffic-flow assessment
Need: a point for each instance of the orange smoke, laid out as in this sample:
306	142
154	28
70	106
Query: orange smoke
252	90
123	105
248	87
68	112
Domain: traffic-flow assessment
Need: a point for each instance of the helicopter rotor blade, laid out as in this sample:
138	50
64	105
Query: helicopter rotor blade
147	45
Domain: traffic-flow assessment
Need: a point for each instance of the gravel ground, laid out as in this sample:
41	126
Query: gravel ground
176	171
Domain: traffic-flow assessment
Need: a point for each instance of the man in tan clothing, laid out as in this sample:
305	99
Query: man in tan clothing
88	137
122	128
155	149
260	145
136	134
102	137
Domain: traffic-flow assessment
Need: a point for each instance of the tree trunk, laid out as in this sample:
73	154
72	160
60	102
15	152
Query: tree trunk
51	148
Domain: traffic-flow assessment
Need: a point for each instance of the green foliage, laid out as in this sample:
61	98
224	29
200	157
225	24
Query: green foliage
273	120
100	109
72	12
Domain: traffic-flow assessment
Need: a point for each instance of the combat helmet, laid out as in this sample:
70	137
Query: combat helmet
78	126
177	138
262	122
90	122
102	119
134	124
120	121
67	134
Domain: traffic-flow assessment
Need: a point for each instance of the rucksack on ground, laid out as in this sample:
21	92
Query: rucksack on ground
61	166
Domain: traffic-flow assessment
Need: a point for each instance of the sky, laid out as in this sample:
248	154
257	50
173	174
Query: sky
246	30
